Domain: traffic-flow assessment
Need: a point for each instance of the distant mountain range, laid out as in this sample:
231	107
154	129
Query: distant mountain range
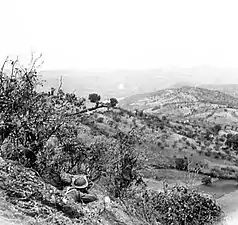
124	83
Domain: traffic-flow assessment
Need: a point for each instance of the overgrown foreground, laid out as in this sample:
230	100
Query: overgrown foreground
40	139
43	202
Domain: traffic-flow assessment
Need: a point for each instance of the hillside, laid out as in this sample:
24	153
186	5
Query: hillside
163	142
231	89
141	166
184	101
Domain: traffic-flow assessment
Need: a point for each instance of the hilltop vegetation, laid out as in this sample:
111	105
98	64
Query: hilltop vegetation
45	133
186	102
179	97
231	89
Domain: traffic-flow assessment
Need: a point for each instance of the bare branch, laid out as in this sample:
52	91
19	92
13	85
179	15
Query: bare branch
3	65
40	64
13	66
88	110
32	58
61	82
34	62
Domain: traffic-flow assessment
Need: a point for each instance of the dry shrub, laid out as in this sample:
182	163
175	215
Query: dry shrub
177	205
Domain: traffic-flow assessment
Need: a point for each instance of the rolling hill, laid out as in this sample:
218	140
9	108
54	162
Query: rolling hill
164	141
231	89
169	150
181	102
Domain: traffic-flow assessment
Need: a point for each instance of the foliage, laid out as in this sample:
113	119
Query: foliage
206	180
216	128
29	118
94	98
232	141
177	205
113	102
124	164
181	163
100	119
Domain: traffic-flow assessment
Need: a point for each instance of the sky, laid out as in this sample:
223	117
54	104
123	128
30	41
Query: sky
100	35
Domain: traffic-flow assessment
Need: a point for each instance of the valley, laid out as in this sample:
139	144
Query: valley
197	110
178	138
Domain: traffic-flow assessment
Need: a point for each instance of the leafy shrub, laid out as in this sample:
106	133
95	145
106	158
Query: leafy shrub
187	143
123	162
216	172
208	153
181	163
177	205
206	180
194	147
94	97
216	128
100	120
232	141
29	118
184	138
117	118
166	144
113	102
199	151
199	142
159	143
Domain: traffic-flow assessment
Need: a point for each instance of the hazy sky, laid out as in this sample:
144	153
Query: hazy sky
121	34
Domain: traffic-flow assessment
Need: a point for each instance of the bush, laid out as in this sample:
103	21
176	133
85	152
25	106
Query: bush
113	102
208	153
216	129
187	143
217	172
194	147
117	118
178	205
100	120
123	162
206	180
29	118
181	163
